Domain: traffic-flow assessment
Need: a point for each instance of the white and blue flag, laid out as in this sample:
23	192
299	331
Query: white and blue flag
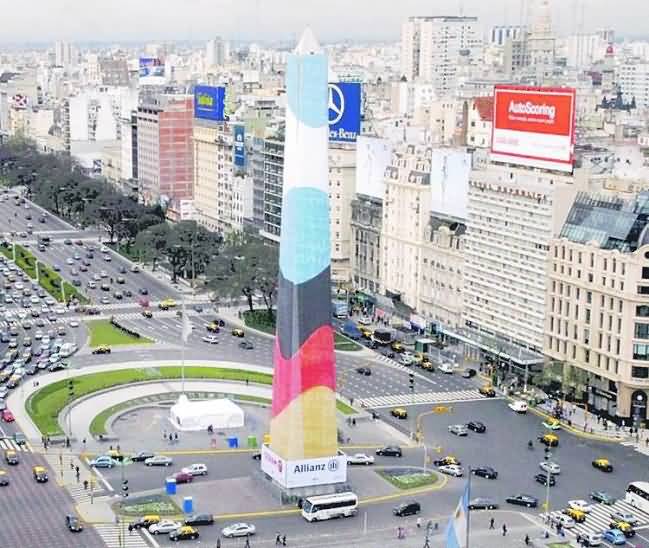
456	528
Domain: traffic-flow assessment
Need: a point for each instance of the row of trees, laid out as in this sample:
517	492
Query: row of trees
241	265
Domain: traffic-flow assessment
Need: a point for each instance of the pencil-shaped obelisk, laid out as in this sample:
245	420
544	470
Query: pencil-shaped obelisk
303	423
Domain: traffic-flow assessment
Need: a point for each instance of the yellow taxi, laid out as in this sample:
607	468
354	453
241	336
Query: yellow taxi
366	332
447	461
236	332
575	514
427	365
399	413
147	314
603	464
550	440
4	478
166	304
102	349
11	456
626	528
40	474
487	390
184	533
397	346
213	327
115	455
552	424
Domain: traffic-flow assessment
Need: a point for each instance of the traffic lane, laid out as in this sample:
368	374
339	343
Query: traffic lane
504	447
15	219
33	513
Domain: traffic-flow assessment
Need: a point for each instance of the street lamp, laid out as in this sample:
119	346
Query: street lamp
547	457
70	398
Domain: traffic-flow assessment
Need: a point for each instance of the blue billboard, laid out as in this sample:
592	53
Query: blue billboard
239	146
344	111
151	66
209	103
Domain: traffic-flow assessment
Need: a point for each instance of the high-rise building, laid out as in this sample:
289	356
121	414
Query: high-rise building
431	48
63	54
342	182
540	40
597	306
164	148
633	79
500	34
215	52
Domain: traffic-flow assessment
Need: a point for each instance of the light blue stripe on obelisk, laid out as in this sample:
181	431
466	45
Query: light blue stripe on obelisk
306	89
305	250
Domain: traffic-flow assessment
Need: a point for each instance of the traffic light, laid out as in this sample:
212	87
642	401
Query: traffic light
71	387
412	381
125	488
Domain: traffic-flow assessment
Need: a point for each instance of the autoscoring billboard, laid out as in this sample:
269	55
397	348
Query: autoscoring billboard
534	126
209	103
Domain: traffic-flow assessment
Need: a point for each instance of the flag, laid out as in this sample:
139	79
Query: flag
456	528
187	327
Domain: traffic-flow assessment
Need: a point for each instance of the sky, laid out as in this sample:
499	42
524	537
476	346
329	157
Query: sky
332	20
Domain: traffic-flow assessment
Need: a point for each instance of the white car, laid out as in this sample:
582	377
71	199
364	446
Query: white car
548	466
195	470
518	406
50	301
210	339
103	274
580	504
74	323
447	368
452	470
238	530
164	527
365	320
59	310
407	358
360	458
34	300
566	521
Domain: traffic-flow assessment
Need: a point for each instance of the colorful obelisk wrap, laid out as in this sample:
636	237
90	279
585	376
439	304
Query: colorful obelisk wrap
303	423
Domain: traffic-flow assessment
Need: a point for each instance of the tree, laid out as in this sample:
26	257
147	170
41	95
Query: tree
190	248
152	242
245	266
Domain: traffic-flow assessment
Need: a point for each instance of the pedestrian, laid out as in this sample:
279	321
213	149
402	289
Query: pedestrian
247	545
247	381
77	475
110	447
278	540
353	422
76	469
176	436
164	434
283	540
71	465
171	437
418	523
218	543
492	521
60	459
130	528
504	530
527	540
118	449
85	485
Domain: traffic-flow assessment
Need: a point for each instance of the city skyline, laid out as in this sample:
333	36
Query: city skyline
252	20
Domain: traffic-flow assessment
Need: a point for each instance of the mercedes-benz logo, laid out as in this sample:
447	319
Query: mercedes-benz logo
336	104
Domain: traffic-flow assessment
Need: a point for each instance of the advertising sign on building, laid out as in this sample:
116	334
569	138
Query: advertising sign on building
151	66
239	145
303	473
534	127
373	155
344	111
209	103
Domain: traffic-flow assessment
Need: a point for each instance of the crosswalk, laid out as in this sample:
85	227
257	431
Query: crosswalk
378	402
111	534
81	495
12	445
598	520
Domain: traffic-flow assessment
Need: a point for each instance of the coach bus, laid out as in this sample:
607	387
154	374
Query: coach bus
323	507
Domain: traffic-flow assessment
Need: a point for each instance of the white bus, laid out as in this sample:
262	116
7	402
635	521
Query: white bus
637	495
329	506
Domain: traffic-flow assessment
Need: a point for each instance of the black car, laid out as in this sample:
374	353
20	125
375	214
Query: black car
143	291
390	451
469	373
73	524
246	345
523	500
256	456
477	426
485	472
364	371
543	479
482	503
199	519
407	509
142	456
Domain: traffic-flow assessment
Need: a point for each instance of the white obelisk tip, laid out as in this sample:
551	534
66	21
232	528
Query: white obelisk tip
308	44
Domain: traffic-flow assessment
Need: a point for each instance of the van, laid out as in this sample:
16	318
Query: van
518	406
407	509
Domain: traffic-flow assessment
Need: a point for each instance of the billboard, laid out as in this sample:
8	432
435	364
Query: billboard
449	182
373	155
534	126
344	111
209	103
151	66
239	148
303	473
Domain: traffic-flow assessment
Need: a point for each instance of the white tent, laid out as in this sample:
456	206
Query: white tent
198	415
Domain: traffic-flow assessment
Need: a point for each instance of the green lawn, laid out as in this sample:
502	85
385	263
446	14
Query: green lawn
46	404
162	505
102	332
49	280
258	319
344	408
411	480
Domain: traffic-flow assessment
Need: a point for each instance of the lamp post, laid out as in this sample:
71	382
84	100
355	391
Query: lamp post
546	457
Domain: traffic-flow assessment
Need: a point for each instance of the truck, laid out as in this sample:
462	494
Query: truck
339	309
383	337
351	330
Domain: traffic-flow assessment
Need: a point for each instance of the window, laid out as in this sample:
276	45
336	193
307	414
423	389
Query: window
640	372
645	272
643	290
588	315
641	352
642	311
589	297
641	331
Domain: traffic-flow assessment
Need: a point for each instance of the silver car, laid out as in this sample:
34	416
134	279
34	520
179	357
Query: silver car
159	460
549	466
458	430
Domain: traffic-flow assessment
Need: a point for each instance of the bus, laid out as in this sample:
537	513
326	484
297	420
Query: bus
324	507
637	495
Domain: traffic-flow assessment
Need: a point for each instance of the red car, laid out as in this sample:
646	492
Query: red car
7	416
182	477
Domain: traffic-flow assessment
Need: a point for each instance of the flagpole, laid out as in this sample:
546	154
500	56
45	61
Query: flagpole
468	511
183	337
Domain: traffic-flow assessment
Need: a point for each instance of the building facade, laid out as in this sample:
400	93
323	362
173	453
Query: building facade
367	218
597	308
342	183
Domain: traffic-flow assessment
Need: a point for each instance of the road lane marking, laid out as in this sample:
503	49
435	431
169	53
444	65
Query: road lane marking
101	477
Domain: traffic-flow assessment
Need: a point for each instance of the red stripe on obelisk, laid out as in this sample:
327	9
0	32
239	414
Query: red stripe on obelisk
311	366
